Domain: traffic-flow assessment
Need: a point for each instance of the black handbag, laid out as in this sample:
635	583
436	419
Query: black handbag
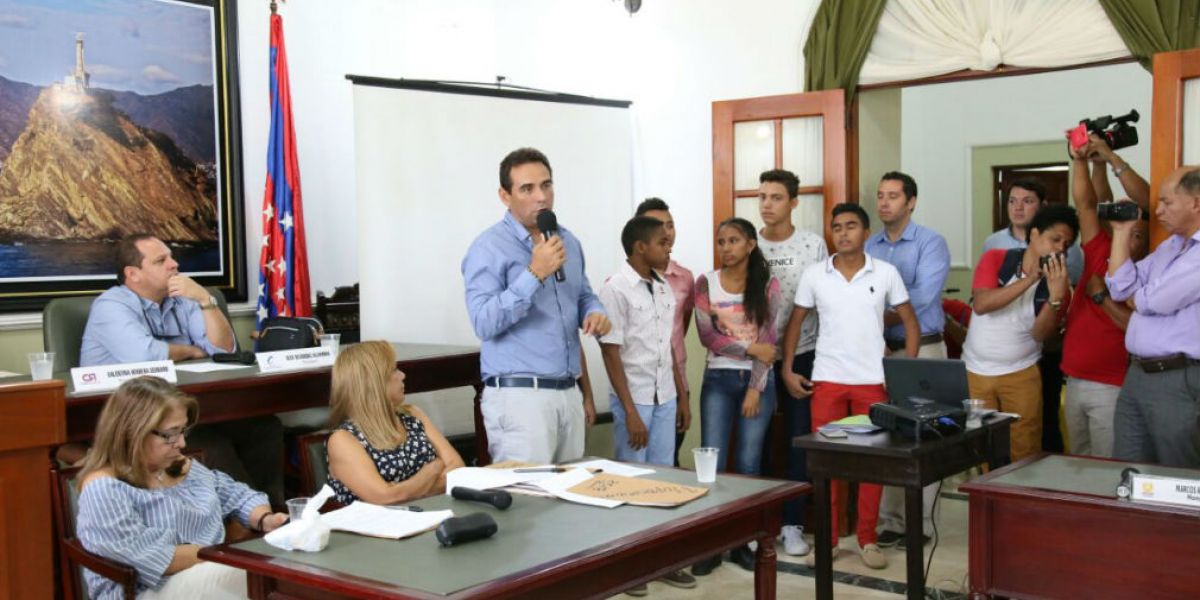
288	333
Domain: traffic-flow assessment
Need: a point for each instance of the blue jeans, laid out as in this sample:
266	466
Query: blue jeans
797	420
721	410
659	420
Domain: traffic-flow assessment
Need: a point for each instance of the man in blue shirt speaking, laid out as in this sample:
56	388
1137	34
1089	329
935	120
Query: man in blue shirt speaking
529	322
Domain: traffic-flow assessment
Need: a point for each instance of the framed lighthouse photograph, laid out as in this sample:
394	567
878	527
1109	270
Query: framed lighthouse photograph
117	117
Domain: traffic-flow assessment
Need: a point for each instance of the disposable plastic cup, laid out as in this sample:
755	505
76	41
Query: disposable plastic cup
331	340
706	464
974	410
41	365
296	508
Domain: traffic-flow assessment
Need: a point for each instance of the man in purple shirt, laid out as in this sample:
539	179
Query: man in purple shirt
1159	405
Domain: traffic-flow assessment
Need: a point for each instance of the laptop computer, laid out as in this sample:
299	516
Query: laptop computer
917	382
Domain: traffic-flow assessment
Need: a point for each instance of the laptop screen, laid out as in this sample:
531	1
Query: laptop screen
912	382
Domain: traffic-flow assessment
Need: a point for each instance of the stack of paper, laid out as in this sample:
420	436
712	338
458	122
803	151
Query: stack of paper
380	521
852	424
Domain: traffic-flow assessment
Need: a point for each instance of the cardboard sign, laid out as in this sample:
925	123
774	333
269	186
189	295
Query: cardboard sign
109	377
294	360
1166	490
638	491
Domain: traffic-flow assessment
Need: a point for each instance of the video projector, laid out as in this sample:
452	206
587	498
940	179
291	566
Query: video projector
922	420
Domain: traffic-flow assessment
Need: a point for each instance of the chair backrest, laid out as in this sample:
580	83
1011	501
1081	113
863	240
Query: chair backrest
63	322
314	465
64	319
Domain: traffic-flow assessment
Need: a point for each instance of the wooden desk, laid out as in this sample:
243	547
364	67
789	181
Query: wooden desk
237	394
1050	526
545	548
888	459
31	423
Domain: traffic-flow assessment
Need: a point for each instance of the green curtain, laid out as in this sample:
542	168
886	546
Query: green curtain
838	42
1150	26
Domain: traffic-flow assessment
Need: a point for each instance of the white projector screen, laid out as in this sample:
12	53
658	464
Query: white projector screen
427	169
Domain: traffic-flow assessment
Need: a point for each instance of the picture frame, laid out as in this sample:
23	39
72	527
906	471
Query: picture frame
123	116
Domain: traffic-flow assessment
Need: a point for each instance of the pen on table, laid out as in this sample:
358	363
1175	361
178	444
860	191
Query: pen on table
408	508
541	470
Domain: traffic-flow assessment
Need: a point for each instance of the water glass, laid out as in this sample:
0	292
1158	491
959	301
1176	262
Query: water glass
295	508
332	341
41	365
974	410
706	463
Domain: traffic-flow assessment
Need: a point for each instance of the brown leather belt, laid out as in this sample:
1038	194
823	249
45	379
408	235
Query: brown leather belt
1162	364
931	338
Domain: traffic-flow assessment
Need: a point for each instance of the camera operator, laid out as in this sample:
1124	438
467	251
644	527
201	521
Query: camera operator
1094	357
1159	404
1101	156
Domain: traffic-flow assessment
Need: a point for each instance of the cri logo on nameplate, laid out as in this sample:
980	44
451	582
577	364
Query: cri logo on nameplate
89	378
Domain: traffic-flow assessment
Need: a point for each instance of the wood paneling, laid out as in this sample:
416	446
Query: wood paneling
1171	70
31	422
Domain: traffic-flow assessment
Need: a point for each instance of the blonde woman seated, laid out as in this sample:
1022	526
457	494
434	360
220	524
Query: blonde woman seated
142	503
383	451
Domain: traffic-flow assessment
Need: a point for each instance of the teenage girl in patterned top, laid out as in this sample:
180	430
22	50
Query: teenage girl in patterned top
383	451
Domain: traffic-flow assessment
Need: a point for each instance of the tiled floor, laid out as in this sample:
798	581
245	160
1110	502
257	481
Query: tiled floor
794	580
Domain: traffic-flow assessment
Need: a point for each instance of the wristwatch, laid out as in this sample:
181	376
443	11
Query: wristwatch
1099	296
210	304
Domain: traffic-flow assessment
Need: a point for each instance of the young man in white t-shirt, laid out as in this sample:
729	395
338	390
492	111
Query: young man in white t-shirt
1020	297
789	252
850	292
638	355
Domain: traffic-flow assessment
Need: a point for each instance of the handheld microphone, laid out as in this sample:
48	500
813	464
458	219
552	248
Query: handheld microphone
548	224
459	530
498	498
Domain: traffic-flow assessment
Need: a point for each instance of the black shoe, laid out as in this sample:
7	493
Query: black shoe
743	556
903	543
887	539
706	566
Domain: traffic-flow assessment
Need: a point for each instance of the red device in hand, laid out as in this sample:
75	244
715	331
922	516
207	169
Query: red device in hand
1078	137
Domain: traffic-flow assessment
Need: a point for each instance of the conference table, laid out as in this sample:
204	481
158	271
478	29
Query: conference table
889	459
544	548
244	392
1050	526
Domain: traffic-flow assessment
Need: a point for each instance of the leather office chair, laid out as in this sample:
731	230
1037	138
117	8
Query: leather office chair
64	319
314	466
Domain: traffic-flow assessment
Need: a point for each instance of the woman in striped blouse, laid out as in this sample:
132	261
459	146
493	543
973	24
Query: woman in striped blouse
142	503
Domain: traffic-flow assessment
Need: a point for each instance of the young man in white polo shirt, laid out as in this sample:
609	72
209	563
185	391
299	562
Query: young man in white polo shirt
638	356
850	292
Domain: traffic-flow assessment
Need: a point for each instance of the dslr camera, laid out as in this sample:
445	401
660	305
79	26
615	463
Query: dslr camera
1120	211
1118	132
1045	260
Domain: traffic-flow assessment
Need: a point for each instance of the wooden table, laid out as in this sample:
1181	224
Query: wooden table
888	459
1050	526
31	423
241	393
545	548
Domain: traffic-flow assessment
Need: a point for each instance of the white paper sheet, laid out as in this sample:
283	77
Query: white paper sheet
209	367
614	467
482	478
381	521
560	483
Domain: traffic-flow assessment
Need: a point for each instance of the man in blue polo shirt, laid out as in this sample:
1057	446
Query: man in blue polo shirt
923	259
529	323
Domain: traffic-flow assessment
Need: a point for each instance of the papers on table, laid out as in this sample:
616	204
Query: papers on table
561	482
614	467
380	521
852	424
209	367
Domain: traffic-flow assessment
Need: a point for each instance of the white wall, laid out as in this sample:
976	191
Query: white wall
672	60
940	124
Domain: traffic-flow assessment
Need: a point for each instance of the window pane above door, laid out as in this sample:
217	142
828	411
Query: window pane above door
808	214
803	142
1191	121
753	152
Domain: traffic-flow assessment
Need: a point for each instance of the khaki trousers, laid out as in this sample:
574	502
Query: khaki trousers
1020	393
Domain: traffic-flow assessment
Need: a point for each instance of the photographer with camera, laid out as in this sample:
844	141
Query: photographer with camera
1159	404
1020	298
1094	357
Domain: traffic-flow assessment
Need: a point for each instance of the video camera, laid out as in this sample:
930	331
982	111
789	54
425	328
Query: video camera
1117	131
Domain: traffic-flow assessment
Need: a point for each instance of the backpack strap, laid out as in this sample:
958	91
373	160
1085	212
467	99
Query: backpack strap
1011	266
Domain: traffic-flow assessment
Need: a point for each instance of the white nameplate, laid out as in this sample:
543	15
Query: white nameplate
1166	490
294	360
109	377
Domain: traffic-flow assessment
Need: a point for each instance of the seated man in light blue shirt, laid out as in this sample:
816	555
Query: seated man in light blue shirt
529	321
922	257
157	314
154	313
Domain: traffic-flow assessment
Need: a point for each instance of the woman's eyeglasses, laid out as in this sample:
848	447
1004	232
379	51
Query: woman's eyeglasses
170	437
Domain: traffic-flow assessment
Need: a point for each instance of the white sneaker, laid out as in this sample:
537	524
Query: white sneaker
793	540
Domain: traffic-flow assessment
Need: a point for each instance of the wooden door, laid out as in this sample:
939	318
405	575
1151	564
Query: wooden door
1175	123
803	133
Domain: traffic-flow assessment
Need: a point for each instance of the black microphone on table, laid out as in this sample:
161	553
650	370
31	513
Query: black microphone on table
459	530
548	224
498	498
